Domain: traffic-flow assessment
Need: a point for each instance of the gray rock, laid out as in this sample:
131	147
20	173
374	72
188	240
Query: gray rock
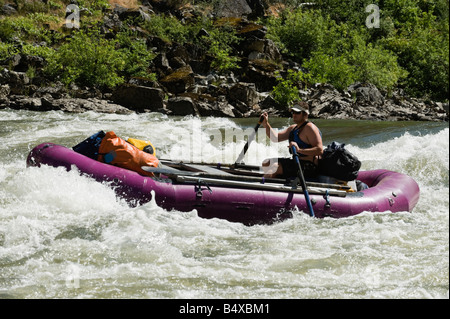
182	106
4	91
366	93
17	81
232	8
71	105
139	98
179	81
245	93
8	9
220	108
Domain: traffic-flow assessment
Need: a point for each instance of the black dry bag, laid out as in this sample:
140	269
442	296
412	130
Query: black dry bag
339	163
89	147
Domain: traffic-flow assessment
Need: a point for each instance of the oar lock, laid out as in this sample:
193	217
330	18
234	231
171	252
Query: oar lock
198	188
326	196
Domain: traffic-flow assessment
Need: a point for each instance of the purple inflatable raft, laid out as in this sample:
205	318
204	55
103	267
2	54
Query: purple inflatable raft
221	192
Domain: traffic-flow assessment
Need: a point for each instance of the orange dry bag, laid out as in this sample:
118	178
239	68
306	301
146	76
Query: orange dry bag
116	151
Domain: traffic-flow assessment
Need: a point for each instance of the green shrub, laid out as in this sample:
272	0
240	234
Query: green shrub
44	52
6	51
88	59
298	33
94	4
373	64
364	63
424	53
219	44
137	56
6	30
223	61
287	89
27	28
168	28
325	68
410	50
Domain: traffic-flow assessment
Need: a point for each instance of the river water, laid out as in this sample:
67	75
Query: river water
63	235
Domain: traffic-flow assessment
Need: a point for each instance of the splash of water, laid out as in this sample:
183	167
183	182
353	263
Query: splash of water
63	235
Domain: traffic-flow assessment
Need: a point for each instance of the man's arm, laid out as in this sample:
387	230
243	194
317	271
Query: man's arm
314	139
273	134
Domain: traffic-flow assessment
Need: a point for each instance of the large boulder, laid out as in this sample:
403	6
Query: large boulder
256	49
182	105
366	94
4	91
262	73
17	81
139	98
219	107
327	102
75	105
232	8
245	93
179	81
258	8
139	14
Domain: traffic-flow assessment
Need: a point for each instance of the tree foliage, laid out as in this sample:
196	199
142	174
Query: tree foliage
287	89
409	50
330	38
88	59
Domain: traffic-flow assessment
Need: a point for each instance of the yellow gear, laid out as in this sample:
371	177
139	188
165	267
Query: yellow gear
145	146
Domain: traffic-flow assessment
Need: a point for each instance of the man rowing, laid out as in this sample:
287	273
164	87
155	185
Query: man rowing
306	138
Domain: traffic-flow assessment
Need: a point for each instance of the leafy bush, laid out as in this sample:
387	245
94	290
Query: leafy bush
298	33
219	44
37	50
168	28
373	64
422	47
137	56
88	59
286	90
223	61
94	4
6	51
6	30
29	27
409	50
325	68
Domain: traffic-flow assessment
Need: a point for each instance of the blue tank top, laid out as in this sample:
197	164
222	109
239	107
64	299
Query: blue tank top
295	136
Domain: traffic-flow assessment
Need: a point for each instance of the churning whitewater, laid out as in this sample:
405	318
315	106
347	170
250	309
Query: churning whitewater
63	235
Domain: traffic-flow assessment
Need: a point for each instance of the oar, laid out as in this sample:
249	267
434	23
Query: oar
216	165
173	172
250	139
302	181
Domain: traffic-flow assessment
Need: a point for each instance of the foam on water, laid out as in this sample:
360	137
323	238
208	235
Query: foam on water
63	235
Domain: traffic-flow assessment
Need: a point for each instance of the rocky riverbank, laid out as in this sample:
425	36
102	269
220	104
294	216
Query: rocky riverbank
205	97
187	85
